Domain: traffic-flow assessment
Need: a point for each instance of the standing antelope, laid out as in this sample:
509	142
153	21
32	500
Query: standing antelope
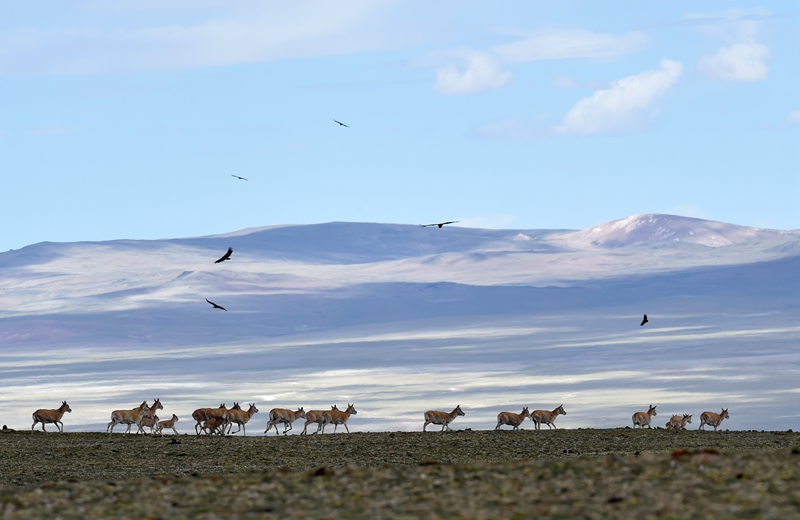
540	417
711	419
676	422
203	414
443	418
315	416
167	424
128	417
50	417
337	417
642	419
149	417
511	418
282	415
241	417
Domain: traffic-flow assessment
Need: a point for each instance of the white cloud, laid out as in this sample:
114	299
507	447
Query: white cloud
482	74
624	106
794	118
731	25
491	222
741	62
99	38
559	44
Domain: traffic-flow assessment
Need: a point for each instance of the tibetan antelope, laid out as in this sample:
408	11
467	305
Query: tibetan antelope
540	417
315	416
443	418
713	419
213	425
337	417
642	419
676	422
203	414
170	423
282	415
240	417
128	417
511	418
149	417
50	417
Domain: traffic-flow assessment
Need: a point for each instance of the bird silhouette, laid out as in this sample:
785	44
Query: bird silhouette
226	256
240	178
216	306
440	224
342	124
644	320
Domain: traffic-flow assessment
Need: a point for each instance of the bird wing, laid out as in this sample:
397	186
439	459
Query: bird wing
341	123
451	222
226	256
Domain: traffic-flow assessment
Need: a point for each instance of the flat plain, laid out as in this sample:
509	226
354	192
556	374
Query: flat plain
589	473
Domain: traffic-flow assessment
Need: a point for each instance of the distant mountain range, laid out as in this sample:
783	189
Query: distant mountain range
400	318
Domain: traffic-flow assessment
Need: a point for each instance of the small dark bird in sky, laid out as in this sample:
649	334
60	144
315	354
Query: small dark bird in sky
644	320
440	224
216	306
226	256
240	178
342	124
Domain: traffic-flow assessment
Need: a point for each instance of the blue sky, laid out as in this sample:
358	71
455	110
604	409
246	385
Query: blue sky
126	119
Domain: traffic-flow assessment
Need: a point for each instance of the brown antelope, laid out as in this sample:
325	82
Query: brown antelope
676	422
443	418
212	425
240	417
228	415
149	417
511	418
287	417
167	424
50	417
128	417
713	419
147	421
337	417
315	416
642	419
540	417
203	414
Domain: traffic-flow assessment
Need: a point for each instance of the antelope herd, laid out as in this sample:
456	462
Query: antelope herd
220	420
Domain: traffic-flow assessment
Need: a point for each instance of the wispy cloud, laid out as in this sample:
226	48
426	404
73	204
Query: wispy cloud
560	44
482	71
624	106
741	62
793	119
482	74
729	25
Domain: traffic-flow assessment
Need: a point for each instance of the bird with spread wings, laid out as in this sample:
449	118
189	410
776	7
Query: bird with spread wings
240	178
216	306
439	224
226	256
341	124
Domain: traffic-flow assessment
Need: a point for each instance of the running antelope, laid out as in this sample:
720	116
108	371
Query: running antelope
128	417
282	415
315	416
337	417
50	417
642	419
203	414
240	417
676	422
713	419
540	417
443	418
149	417
511	418
167	424
213	425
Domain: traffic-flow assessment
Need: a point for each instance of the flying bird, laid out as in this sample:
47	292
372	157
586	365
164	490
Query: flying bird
226	256
342	124
440	224
216	306
240	178
644	320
